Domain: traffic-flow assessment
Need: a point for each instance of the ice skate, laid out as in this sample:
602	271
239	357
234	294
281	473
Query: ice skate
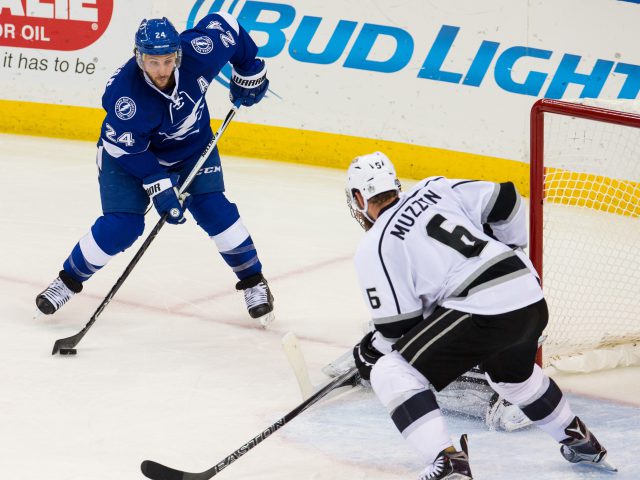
450	465
57	293
583	446
258	298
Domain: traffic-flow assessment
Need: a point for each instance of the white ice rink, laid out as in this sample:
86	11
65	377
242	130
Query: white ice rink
174	370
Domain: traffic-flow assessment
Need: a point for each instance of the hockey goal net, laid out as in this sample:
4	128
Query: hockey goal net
585	231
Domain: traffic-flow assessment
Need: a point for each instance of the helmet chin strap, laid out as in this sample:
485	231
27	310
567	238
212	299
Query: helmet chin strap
361	216
364	208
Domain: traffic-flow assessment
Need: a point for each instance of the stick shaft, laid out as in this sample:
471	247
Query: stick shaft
156	471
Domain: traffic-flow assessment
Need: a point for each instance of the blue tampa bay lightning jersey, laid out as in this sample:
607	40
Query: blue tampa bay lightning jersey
146	129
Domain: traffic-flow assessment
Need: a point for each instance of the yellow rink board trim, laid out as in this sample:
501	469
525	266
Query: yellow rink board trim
596	192
285	144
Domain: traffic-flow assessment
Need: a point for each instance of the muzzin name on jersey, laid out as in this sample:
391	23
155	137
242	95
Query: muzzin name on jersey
464	233
412	211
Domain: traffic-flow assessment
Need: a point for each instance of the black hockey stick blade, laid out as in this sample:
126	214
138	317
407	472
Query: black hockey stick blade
69	342
157	471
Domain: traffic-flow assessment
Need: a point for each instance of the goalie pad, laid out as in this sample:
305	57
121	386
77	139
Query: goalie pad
340	365
502	415
470	395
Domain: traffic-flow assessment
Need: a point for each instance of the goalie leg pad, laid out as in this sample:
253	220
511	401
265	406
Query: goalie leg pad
541	400
503	415
412	405
471	395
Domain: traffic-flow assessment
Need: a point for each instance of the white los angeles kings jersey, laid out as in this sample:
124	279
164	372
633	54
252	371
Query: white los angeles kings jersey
446	243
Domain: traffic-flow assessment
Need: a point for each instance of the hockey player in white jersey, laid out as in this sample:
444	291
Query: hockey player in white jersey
442	271
155	129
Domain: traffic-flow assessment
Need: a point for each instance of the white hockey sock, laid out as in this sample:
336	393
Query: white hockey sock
412	405
86	258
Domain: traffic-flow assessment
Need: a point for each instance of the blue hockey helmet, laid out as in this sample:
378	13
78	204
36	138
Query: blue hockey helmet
157	36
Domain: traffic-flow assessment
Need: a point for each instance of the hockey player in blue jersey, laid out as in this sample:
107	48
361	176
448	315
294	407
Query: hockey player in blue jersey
156	127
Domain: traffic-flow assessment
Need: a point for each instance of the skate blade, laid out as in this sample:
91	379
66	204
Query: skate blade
266	319
601	465
604	465
37	314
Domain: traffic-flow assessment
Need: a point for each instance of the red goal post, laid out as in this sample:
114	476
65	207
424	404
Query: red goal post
587	183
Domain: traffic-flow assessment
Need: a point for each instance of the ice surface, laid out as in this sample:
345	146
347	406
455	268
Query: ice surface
354	428
174	369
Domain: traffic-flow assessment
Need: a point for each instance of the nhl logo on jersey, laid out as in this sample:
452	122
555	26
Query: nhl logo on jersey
125	108
202	45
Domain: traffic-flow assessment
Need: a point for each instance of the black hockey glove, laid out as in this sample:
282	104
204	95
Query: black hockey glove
366	355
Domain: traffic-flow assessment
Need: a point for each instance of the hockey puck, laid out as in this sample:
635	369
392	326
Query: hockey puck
68	351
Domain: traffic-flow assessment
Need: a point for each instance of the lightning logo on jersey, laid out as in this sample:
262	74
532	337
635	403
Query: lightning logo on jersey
189	124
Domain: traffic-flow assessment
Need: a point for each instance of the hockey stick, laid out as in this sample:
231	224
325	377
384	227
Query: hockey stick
296	360
333	369
70	342
156	471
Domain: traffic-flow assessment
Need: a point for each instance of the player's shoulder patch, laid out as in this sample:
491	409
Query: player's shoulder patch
125	108
202	44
